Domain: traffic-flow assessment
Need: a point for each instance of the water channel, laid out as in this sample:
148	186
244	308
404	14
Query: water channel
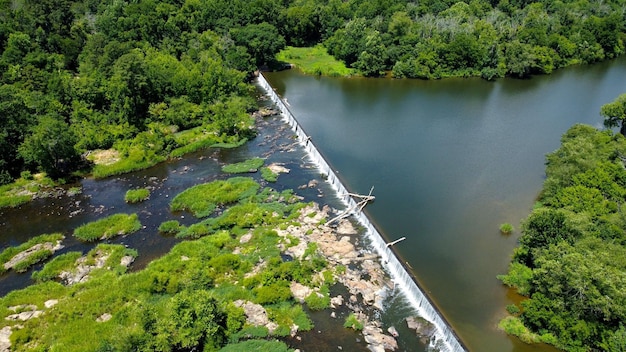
450	160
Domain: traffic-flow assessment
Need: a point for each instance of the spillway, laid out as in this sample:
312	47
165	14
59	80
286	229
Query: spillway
445	338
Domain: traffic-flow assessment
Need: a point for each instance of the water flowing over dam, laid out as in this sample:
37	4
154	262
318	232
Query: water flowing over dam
445	337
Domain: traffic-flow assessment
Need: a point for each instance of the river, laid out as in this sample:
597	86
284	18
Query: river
450	161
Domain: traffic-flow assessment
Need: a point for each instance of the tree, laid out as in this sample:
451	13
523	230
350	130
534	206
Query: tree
614	114
262	41
51	147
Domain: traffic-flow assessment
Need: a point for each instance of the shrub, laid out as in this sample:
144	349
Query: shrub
250	165
514	326
273	293
506	228
114	225
136	195
317	301
353	323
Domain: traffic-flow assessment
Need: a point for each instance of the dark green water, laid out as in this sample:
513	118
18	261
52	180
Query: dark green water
450	161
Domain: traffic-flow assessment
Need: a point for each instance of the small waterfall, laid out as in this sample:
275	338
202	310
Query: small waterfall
446	339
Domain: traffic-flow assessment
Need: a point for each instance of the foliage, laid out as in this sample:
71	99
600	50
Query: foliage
202	199
250	165
314	61
136	195
614	113
353	322
506	228
34	257
570	262
111	226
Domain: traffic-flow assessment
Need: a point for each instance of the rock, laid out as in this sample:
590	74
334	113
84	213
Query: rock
27	312
294	330
312	183
336	301
50	303
299	291
376	340
393	331
104	318
256	315
126	260
422	327
333	315
25	254
5	339
246	238
345	227
184	258
278	168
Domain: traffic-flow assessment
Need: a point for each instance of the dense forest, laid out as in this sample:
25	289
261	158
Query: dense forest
571	261
155	79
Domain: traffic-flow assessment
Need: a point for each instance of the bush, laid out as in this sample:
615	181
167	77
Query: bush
114	225
273	293
506	228
353	323
317	301
136	195
250	165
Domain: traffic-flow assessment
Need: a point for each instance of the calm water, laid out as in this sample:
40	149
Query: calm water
450	161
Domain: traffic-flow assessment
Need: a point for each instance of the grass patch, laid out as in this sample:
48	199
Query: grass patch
269	175
202	199
257	345
111	226
170	227
23	189
34	257
136	195
314	61
250	165
52	269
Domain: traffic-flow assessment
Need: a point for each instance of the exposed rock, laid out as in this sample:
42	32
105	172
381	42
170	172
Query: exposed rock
50	303
5	339
422	327
25	254
278	168
257	269
336	301
256	315
104	318
294	330
26	312
376	340
345	227
184	258
246	238
299	291
312	184
393	331
126	260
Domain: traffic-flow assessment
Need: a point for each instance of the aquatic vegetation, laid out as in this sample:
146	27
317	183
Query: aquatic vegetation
506	228
31	252
269	175
203	199
111	226
250	165
353	322
23	189
170	227
137	195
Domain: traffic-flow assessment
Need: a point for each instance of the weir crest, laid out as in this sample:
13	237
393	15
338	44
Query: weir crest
445	338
